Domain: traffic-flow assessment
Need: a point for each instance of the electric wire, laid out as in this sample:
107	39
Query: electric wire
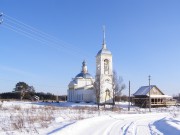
42	35
39	32
43	41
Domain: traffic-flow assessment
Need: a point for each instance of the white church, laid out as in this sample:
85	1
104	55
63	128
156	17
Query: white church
84	88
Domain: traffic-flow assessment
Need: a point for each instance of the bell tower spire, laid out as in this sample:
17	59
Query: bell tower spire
104	38
104	74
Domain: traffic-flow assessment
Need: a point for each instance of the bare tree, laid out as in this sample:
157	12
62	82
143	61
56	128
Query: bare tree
97	88
97	92
118	85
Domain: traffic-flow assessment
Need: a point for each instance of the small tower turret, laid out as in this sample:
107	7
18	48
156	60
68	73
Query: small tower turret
84	67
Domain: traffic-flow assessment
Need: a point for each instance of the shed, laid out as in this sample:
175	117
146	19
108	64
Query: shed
158	98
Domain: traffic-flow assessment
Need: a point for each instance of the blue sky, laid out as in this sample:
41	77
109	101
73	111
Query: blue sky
143	37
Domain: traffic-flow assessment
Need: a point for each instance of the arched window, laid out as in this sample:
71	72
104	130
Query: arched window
106	66
107	93
107	96
107	80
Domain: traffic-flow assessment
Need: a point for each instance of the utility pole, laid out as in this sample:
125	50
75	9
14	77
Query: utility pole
149	94
57	98
129	95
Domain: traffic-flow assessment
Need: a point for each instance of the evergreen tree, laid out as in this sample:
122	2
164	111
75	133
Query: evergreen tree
23	88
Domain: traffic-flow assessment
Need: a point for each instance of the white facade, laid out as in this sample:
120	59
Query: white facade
81	87
104	75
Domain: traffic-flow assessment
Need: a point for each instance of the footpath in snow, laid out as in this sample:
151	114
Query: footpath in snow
124	124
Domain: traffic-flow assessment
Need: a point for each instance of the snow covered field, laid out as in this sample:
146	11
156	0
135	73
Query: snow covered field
19	118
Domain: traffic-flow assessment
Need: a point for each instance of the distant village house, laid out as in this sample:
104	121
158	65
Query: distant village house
158	98
35	98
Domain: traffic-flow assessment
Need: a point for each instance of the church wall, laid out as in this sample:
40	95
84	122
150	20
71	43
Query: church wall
106	94
82	90
104	76
81	82
81	95
109	58
100	64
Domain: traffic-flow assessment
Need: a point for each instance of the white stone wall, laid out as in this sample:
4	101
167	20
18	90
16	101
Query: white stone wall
84	82
100	64
82	90
81	95
77	83
106	94
105	78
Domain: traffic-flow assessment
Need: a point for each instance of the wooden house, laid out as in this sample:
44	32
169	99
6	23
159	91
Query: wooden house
158	98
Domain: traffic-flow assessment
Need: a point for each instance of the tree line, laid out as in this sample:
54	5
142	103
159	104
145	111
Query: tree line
27	96
23	91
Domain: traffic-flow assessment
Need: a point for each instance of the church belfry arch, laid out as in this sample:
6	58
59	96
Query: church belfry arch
106	66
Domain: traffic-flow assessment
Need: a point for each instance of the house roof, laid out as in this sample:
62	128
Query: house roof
142	91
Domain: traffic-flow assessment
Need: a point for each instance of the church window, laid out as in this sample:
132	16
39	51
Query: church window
107	80
107	93
107	97
106	66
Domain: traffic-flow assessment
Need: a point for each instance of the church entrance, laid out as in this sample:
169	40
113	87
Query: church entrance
107	97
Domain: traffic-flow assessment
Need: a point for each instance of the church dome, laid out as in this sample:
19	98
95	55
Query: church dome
84	75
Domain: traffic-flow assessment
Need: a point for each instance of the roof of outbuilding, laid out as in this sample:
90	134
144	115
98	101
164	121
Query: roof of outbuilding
143	90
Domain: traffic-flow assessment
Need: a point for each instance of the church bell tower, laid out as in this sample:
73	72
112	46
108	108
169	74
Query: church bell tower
104	74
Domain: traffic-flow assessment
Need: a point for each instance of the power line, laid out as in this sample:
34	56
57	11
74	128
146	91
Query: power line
43	41
22	27
35	30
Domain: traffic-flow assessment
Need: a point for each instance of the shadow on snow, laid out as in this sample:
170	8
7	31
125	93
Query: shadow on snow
164	127
64	126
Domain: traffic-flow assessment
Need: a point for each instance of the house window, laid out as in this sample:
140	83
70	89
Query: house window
152	100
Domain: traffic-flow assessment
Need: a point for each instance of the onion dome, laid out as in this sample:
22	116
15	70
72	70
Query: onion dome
84	73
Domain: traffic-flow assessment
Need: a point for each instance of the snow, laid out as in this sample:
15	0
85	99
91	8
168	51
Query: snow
140	124
66	118
161	96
